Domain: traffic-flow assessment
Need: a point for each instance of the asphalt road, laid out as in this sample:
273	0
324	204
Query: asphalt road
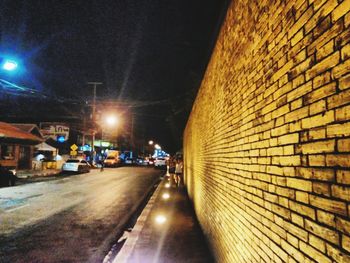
73	219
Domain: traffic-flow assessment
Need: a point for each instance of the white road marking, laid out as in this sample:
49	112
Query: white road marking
16	208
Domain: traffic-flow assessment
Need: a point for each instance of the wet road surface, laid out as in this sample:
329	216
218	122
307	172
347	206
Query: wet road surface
73	219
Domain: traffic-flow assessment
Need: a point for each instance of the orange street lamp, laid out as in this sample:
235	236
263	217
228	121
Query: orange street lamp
112	120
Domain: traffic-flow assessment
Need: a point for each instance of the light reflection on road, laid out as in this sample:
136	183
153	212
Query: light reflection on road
79	216
96	192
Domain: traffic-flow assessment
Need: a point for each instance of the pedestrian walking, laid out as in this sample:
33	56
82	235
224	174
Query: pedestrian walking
178	172
172	164
102	163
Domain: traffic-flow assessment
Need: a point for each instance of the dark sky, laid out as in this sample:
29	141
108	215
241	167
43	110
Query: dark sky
149	53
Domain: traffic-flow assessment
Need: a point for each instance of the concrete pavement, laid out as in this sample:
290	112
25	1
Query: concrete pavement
166	231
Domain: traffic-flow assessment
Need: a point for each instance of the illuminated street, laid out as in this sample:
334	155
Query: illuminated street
73	219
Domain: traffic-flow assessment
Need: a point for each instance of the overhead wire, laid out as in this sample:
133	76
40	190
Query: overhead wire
16	90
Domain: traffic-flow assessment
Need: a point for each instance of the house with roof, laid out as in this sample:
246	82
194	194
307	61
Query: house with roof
17	144
29	127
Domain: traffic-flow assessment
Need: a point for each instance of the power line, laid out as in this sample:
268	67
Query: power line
21	91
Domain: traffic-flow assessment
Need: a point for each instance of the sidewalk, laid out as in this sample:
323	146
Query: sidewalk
23	174
166	231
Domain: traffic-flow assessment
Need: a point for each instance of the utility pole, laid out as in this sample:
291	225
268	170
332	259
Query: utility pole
93	117
84	124
132	132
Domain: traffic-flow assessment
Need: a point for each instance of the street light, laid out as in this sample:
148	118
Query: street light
9	65
112	120
109	124
150	142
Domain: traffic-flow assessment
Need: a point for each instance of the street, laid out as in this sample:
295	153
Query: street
73	219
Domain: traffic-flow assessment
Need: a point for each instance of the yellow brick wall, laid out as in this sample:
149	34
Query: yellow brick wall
267	144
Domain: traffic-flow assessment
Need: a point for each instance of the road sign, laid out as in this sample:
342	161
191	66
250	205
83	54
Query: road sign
73	153
74	147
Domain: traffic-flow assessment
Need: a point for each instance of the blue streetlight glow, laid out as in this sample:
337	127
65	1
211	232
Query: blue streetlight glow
61	139
9	65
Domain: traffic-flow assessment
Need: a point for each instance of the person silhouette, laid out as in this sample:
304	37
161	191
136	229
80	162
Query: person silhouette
178	172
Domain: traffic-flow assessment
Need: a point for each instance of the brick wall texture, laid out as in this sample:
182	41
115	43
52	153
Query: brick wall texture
267	144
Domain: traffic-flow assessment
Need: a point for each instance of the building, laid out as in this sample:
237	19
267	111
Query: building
17	145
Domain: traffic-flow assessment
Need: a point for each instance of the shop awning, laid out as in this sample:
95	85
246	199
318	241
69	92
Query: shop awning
45	147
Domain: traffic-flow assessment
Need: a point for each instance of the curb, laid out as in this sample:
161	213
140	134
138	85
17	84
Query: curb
130	243
28	175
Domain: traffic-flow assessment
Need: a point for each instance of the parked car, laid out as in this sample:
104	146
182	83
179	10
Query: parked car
7	176
128	161
76	165
150	161
112	161
159	162
141	161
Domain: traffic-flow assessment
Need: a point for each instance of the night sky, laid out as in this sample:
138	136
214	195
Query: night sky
148	54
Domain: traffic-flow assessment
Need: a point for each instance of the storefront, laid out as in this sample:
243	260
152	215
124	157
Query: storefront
44	157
